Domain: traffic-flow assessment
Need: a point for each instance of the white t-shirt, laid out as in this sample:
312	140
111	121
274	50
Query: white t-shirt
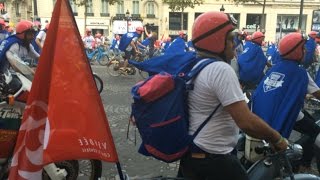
312	88
216	83
129	48
42	37
88	41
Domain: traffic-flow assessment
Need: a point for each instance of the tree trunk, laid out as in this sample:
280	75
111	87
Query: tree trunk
182	19
262	20
85	14
35	8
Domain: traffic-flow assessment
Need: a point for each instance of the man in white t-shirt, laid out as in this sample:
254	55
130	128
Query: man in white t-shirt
41	37
88	40
210	157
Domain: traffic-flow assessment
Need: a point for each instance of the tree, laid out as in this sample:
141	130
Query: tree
181	5
85	4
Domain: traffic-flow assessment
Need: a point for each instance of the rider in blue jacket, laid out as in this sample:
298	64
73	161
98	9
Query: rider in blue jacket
280	95
252	61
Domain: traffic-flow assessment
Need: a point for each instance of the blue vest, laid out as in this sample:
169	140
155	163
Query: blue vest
280	96
4	47
177	46
309	53
251	63
126	40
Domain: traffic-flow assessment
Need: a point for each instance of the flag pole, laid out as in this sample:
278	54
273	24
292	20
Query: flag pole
120	171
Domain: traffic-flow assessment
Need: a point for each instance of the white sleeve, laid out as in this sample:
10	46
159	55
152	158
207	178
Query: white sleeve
225	84
312	86
40	35
33	53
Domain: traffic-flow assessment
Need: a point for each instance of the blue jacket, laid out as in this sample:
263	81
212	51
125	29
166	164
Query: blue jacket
126	40
309	53
280	96
251	63
177	46
4	47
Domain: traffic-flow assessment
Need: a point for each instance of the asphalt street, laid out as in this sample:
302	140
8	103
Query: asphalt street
116	99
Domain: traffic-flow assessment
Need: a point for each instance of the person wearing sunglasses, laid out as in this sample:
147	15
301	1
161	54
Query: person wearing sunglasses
280	95
211	154
15	49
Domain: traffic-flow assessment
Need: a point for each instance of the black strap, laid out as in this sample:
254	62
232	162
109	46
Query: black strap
205	122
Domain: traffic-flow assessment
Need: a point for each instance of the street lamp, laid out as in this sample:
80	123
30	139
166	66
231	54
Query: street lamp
127	18
222	8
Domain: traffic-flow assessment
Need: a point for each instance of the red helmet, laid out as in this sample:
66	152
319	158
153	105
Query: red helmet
47	26
139	29
2	22
257	37
248	38
24	26
291	46
37	23
212	27
313	34
182	33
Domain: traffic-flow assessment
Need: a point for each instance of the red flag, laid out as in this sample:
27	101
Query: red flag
64	118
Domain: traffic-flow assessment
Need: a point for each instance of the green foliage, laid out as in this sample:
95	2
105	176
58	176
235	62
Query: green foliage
180	5
83	2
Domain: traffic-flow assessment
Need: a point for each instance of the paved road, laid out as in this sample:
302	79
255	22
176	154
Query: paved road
117	100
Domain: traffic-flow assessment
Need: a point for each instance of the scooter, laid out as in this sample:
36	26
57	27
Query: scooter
12	103
277	165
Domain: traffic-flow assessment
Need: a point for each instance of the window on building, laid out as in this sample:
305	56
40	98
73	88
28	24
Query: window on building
253	22
135	7
175	21
89	6
104	6
150	8
73	6
120	7
196	15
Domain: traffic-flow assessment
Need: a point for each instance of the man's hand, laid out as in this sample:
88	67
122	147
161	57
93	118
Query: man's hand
281	145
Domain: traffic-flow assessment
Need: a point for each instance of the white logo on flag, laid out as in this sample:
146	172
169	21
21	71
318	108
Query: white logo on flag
274	81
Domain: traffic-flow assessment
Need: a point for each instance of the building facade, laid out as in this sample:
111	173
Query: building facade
15	10
281	16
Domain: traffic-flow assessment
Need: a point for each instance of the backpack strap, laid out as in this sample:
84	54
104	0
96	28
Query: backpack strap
192	74
205	122
198	67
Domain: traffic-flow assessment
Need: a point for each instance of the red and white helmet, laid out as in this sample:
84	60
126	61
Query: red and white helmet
24	26
211	27
291	46
257	37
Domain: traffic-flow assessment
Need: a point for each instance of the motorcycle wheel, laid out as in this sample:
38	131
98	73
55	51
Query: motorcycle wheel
104	60
90	169
99	83
113	68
